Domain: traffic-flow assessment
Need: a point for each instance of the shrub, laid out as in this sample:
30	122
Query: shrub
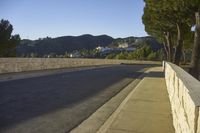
151	56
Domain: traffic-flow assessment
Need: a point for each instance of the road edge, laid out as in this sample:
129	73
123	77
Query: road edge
109	121
86	125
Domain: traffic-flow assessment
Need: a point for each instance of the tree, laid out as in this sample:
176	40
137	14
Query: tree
157	24
181	20
180	15
194	7
194	70
8	42
169	19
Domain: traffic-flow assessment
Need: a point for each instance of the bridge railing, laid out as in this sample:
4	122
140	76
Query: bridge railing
9	65
184	95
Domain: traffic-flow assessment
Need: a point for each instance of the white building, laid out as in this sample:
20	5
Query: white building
103	49
123	45
75	55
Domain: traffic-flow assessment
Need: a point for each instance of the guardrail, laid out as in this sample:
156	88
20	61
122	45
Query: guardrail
184	95
8	65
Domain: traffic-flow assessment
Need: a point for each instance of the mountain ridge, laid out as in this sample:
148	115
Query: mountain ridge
63	44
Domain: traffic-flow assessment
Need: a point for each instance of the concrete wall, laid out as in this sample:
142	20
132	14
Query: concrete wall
8	65
184	95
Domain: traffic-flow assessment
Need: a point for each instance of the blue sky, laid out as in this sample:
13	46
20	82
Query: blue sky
40	18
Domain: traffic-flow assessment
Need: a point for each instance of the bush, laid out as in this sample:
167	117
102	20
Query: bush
121	56
160	55
143	52
110	56
152	56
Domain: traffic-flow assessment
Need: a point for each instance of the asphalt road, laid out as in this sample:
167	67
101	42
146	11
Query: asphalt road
58	102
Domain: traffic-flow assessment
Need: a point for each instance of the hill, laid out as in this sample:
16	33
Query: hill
60	45
138	42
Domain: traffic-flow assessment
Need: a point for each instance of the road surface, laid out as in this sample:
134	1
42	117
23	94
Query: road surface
58	102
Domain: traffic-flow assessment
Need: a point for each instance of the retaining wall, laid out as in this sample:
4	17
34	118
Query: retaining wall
184	95
8	65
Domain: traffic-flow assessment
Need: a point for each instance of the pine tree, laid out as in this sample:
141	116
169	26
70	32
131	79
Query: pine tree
8	42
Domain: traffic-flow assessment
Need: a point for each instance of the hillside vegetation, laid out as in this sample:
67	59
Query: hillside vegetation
67	44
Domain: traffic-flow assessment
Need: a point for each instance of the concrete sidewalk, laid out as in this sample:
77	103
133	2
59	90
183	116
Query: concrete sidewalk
145	110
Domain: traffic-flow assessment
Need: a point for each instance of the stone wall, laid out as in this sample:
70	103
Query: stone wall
184	95
8	65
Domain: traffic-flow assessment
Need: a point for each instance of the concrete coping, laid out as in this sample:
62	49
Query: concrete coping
191	84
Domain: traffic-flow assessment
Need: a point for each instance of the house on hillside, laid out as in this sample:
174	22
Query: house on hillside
103	49
123	45
75	55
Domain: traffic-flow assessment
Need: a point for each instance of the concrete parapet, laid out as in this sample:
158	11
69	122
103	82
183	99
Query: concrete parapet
184	95
8	65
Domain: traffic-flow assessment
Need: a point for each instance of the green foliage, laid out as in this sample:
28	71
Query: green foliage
170	21
110	56
121	56
151	56
8	42
144	52
160	55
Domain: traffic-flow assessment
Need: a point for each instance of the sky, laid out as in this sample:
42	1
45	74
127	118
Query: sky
33	19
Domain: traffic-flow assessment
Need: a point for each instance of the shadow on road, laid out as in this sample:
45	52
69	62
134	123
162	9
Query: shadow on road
24	99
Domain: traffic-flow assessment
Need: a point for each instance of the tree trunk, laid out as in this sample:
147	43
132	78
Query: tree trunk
179	45
184	56
169	46
194	67
166	50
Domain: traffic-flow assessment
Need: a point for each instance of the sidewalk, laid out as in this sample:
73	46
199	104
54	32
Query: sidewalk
145	110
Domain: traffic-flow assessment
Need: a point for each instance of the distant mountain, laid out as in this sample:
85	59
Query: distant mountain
60	45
